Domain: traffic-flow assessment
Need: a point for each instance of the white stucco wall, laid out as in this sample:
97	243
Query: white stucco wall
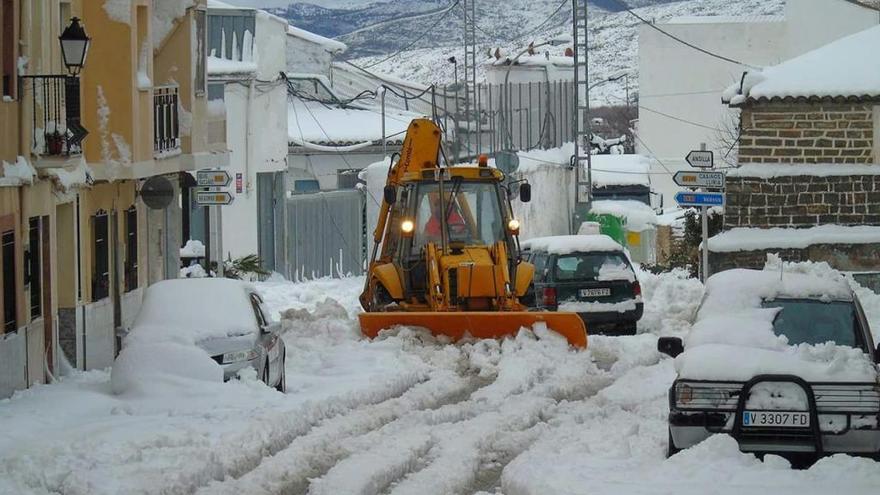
256	135
686	85
306	57
324	166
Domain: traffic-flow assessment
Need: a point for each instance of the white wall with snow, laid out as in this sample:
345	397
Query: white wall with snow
256	135
306	57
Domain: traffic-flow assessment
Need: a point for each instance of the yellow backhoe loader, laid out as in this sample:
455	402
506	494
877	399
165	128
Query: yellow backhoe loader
449	259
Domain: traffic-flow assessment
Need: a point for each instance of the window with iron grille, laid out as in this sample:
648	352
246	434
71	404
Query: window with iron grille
100	256
166	120
7	247
131	249
34	266
7	47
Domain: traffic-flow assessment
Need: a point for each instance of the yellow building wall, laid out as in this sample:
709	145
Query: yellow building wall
8	131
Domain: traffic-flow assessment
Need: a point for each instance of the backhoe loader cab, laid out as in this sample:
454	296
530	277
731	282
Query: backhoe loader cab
449	259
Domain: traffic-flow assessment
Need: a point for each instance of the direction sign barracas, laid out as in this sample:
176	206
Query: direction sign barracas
712	180
206	198
699	199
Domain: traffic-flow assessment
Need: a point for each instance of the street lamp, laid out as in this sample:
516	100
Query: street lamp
74	46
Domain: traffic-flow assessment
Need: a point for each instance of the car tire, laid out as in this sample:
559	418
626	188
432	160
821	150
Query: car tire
281	386
671	449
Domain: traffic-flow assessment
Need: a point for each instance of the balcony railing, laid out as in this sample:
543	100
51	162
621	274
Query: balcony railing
166	121
55	103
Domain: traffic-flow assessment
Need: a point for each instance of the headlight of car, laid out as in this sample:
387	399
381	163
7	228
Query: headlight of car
701	395
684	394
239	356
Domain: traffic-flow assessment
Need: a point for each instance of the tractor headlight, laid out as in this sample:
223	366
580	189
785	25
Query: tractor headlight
407	226
513	226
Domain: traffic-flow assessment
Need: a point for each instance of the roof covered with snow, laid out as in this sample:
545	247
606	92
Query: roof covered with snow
773	170
331	46
751	239
845	68
722	19
311	122
567	244
620	170
224	67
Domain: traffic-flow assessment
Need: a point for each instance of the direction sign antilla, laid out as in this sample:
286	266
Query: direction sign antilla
711	180
213	178
700	159
699	199
206	198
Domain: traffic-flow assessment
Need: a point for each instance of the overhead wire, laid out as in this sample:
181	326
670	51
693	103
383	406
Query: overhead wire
417	39
626	7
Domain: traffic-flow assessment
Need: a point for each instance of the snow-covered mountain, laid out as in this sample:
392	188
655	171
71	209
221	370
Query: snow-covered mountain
419	36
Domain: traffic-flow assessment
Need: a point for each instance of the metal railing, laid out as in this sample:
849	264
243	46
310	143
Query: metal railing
166	120
54	102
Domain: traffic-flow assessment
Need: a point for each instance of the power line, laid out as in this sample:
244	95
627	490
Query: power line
626	7
683	93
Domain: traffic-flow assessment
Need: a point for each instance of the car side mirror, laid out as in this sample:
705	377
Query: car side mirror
671	346
273	327
390	194
525	192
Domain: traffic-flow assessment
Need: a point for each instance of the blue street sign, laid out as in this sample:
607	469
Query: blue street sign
699	199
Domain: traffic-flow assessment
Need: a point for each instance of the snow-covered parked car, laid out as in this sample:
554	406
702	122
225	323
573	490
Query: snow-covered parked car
590	275
785	363
221	317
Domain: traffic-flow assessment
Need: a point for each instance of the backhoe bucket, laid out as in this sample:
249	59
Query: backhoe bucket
479	324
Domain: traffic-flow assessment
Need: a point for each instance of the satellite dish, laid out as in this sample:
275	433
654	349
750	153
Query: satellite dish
507	161
157	192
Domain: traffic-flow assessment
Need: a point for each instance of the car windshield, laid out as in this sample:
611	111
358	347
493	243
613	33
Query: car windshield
805	321
592	266
473	213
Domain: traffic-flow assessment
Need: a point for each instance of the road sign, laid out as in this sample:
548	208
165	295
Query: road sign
700	159
699	199
212	178
711	180
209	198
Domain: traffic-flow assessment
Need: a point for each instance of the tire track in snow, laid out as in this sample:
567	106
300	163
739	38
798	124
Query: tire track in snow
315	452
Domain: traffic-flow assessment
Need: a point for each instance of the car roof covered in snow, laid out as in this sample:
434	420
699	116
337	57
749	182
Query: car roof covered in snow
567	244
196	309
740	290
734	337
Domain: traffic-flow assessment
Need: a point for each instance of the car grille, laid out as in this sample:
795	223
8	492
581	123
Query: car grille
830	398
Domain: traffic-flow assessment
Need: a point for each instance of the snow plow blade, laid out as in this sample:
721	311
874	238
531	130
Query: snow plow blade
479	324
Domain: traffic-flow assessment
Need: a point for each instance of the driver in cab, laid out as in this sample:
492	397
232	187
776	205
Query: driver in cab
456	223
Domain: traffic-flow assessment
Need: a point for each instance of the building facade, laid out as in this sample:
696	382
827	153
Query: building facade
79	244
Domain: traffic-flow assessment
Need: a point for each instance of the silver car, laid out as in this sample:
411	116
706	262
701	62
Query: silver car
226	318
780	412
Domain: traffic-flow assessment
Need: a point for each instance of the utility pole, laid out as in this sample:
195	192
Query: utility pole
704	213
582	131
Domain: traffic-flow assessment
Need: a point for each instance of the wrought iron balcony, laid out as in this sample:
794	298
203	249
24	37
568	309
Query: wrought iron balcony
55	103
166	121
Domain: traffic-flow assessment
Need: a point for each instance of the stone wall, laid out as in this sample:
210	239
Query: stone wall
807	133
802	201
845	257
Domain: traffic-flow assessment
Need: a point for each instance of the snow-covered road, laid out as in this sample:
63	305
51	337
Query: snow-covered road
402	414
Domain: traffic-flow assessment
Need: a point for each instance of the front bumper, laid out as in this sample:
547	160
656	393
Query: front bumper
690	428
609	319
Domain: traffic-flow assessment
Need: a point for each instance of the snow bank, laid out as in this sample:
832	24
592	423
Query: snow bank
772	170
140	368
567	244
639	216
193	249
598	307
749	239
